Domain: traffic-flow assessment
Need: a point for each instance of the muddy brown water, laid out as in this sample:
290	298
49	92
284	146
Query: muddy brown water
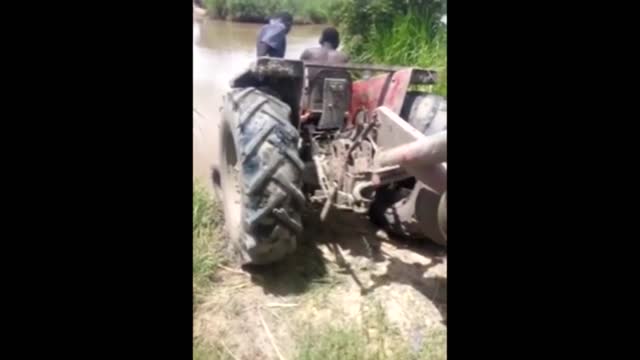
222	50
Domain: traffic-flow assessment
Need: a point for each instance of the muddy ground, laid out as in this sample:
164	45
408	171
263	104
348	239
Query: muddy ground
314	288
259	313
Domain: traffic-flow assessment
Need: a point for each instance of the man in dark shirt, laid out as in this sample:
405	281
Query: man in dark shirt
272	39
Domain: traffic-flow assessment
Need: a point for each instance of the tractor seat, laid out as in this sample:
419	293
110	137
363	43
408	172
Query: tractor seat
329	94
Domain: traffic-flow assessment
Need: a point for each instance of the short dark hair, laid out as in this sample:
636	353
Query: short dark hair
331	36
284	16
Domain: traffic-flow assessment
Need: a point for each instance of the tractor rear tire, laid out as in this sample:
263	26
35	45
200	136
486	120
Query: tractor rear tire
426	112
260	176
409	213
413	212
390	211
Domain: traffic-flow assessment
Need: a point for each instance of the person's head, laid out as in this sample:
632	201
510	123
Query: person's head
285	18
330	36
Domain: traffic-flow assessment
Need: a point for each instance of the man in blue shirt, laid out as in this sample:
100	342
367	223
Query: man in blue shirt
272	39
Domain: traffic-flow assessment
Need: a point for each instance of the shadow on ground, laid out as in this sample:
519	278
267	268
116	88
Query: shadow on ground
292	276
352	234
298	272
433	288
357	236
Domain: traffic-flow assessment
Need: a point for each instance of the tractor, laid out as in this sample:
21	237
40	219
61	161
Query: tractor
351	137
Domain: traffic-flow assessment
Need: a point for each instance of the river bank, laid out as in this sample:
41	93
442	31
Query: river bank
408	33
259	11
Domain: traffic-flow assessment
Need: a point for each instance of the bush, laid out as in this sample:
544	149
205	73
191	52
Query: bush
303	11
397	33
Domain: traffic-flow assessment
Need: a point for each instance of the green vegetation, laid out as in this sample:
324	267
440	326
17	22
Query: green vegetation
207	223
351	343
205	351
396	33
374	339
333	343
407	32
207	254
303	11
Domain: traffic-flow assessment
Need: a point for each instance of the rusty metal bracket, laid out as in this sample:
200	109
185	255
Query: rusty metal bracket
385	89
358	137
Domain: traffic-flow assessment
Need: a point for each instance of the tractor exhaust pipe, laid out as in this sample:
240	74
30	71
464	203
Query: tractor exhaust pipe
429	150
419	155
423	159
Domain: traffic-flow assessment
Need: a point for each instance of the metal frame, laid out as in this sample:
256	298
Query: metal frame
403	146
366	67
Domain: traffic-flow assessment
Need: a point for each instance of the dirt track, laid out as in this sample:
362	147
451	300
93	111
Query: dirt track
310	289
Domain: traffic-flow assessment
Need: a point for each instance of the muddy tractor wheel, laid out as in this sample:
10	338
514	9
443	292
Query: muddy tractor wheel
426	112
260	176
409	213
390	211
413	212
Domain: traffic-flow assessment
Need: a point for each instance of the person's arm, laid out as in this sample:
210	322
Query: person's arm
345	58
306	55
263	49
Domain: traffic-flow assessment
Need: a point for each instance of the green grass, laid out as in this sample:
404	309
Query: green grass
374	339
434	348
333	343
409	42
303	11
205	351
207	225
207	254
351	343
396	33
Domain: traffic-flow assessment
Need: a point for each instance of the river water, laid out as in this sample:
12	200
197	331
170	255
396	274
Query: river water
222	50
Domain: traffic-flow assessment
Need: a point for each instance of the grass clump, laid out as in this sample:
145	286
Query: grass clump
351	343
332	343
435	348
207	235
373	339
205	351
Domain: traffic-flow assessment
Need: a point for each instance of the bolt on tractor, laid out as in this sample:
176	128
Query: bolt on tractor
346	137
